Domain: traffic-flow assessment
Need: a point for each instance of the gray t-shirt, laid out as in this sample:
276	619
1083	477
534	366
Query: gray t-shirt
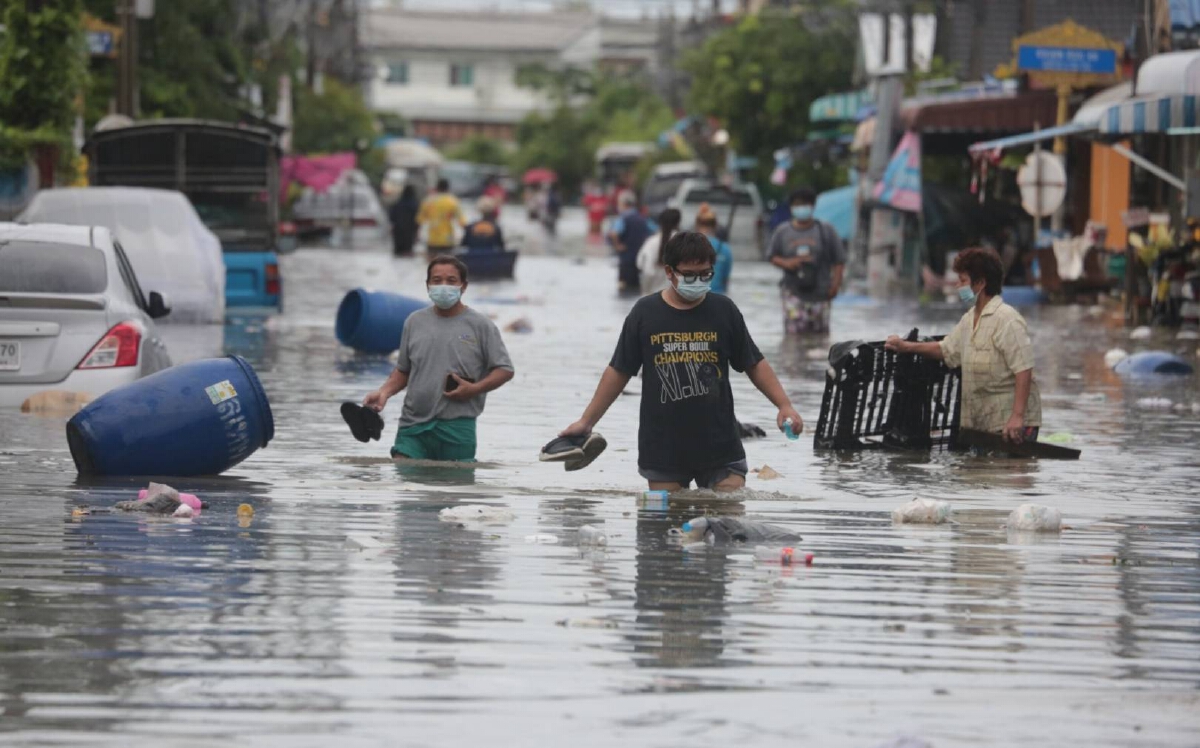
821	242
468	344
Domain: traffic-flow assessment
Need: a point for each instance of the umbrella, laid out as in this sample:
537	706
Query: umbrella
836	207
538	176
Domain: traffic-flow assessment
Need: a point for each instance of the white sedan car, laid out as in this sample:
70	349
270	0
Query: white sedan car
72	315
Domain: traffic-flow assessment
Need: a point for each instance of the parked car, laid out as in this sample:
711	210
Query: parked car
350	201
72	314
742	204
663	184
168	245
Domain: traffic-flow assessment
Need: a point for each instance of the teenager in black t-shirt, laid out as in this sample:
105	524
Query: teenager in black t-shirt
686	339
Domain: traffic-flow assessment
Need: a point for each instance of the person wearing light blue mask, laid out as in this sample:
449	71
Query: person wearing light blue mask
813	259
685	340
450	357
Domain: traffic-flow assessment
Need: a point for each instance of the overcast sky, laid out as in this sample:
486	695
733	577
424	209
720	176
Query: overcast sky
635	8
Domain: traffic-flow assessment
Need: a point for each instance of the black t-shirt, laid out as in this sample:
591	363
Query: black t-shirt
687	421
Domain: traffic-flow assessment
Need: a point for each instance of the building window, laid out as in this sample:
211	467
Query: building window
397	72
462	75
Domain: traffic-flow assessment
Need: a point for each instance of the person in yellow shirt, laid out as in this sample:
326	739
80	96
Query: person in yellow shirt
440	211
991	344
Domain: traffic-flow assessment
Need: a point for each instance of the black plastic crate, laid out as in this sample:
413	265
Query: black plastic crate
877	398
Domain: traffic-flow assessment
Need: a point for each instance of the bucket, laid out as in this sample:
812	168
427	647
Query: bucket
371	321
199	418
1153	362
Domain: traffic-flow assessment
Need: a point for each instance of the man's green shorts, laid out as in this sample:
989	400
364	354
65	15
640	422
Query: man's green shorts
451	440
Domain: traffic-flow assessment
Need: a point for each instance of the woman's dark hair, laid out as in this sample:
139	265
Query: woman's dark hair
688	246
669	219
803	196
458	264
443	185
980	264
408	194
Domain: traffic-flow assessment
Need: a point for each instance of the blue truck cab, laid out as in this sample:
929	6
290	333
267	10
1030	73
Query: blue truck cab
229	172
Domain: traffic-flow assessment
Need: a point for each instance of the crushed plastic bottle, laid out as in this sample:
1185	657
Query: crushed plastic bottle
786	556
541	539
922	512
1035	518
592	535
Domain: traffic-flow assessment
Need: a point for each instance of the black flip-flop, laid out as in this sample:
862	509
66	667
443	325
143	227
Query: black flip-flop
364	423
593	447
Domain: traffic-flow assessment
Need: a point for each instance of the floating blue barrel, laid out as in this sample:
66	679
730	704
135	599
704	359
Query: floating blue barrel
372	321
1022	295
1153	362
199	418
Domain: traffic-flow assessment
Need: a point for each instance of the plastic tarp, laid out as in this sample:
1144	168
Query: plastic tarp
171	250
349	198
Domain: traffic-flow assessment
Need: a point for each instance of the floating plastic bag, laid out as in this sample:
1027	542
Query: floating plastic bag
1140	333
1154	403
479	513
1035	518
922	512
723	530
592	535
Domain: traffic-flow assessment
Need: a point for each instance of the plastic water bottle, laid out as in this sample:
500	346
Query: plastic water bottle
655	501
788	432
592	535
783	556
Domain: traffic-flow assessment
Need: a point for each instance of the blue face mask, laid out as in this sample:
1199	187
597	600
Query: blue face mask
802	212
967	295
445	297
695	290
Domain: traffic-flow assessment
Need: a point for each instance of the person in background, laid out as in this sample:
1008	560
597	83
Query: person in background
685	340
403	215
991	344
596	205
553	209
494	190
706	223
628	232
651	271
441	212
451	356
485	233
812	258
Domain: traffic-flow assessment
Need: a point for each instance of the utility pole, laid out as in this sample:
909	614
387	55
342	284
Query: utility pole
127	86
310	36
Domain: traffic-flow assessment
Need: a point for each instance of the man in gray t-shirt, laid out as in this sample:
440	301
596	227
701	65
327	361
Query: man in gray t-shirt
450	358
812	258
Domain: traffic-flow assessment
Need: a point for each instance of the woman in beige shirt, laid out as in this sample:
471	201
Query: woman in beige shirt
991	344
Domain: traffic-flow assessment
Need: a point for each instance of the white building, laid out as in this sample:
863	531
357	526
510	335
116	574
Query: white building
455	75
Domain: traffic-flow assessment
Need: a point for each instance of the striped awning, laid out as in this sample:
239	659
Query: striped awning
1151	114
1016	141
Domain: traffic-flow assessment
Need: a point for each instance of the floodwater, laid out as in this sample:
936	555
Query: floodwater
345	613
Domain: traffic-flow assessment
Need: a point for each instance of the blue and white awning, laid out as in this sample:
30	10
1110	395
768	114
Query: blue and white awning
1151	114
1029	138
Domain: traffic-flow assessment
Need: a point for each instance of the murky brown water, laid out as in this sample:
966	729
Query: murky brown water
300	630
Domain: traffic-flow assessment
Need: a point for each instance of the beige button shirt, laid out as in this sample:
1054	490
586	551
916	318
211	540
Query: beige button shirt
991	355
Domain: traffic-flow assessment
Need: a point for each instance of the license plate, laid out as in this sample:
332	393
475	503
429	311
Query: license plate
10	355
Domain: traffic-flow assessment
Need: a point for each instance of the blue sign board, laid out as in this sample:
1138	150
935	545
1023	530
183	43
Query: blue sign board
1067	60
100	43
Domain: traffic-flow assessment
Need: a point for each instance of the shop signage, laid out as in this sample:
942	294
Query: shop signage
1066	60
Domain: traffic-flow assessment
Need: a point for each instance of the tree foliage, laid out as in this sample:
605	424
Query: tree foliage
336	119
589	109
41	71
479	150
760	76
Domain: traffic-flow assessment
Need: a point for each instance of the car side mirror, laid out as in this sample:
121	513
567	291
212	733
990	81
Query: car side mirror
157	306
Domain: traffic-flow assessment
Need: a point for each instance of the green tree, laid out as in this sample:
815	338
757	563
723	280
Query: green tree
41	73
335	120
760	76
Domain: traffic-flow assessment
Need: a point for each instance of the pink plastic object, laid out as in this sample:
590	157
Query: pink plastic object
184	498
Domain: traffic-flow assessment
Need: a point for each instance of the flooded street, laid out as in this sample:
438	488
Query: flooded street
345	613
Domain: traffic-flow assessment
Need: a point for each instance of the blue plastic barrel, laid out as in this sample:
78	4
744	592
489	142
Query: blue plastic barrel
199	418
1022	295
1153	362
371	321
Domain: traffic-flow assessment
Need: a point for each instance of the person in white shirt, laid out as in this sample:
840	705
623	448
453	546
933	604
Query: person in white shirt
651	273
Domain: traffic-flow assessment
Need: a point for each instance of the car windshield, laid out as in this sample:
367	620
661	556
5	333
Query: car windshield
664	188
717	196
44	267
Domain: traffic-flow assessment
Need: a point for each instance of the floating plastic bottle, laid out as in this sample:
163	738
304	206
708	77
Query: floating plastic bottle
654	500
783	556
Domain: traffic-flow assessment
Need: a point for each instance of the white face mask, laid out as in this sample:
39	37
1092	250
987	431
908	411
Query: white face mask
445	297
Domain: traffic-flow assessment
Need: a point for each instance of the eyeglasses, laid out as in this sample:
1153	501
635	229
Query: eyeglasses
704	277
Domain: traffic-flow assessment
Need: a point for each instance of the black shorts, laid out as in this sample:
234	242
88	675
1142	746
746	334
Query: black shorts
707	478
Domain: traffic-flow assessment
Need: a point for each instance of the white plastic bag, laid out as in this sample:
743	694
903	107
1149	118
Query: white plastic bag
1115	356
922	512
1035	518
592	535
